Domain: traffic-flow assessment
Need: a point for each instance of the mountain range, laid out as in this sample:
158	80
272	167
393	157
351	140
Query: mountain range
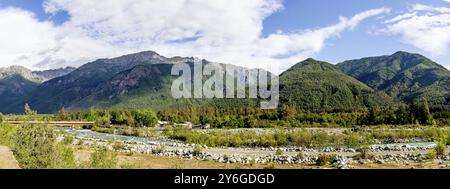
143	80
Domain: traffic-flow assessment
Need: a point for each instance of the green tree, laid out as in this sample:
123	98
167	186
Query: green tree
402	115
1	118
62	114
146	118
424	114
28	110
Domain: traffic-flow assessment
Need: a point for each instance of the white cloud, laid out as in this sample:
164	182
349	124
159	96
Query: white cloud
425	27
221	30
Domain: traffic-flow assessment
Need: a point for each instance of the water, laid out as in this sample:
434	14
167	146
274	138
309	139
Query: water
86	133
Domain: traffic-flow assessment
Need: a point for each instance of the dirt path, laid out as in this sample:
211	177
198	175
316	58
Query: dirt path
7	160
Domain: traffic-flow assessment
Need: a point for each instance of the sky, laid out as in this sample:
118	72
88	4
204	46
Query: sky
270	34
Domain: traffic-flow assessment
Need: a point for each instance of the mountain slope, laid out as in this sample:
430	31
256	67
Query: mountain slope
319	86
15	82
404	76
53	73
141	80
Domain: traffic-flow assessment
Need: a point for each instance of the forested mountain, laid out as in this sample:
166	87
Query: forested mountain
144	80
404	76
319	86
141	80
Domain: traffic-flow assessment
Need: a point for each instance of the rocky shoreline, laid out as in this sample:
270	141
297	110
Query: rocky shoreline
301	156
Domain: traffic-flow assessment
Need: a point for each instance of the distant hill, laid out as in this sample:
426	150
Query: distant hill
319	86
404	76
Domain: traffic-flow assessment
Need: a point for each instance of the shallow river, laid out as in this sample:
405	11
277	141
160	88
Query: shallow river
88	134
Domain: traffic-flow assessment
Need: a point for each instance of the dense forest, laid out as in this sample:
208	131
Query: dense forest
415	113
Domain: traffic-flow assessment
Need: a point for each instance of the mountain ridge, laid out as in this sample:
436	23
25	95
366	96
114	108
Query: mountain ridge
141	80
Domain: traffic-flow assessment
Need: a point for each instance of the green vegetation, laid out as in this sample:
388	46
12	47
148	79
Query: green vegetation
103	159
197	150
302	138
279	152
403	76
35	147
7	134
364	152
325	159
440	148
28	110
320	87
275	139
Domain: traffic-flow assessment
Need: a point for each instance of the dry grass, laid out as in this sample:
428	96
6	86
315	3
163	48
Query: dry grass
7	160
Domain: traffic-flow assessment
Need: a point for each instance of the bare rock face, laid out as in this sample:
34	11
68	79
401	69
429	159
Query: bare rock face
53	73
19	70
146	56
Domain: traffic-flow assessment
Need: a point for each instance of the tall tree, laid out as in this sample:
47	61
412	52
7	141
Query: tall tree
425	116
28	110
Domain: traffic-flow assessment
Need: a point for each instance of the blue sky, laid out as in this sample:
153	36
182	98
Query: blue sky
253	33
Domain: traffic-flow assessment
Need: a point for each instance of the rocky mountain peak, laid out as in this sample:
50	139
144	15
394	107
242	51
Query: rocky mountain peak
18	70
145	56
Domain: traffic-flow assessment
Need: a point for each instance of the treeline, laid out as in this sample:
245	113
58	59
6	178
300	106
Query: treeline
106	118
417	113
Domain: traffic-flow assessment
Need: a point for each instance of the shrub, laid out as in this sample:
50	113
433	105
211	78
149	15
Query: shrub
197	150
68	140
117	146
440	148
431	155
103	159
35	147
364	152
146	118
279	152
102	122
325	159
1	118
300	155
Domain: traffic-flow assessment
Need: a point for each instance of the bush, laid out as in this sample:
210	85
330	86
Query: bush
440	148
431	155
35	147
102	122
146	118
364	152
117	146
68	140
103	159
1	118
325	159
197	150
279	152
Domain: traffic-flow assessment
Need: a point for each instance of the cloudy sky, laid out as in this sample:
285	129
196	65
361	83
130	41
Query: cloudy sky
273	34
